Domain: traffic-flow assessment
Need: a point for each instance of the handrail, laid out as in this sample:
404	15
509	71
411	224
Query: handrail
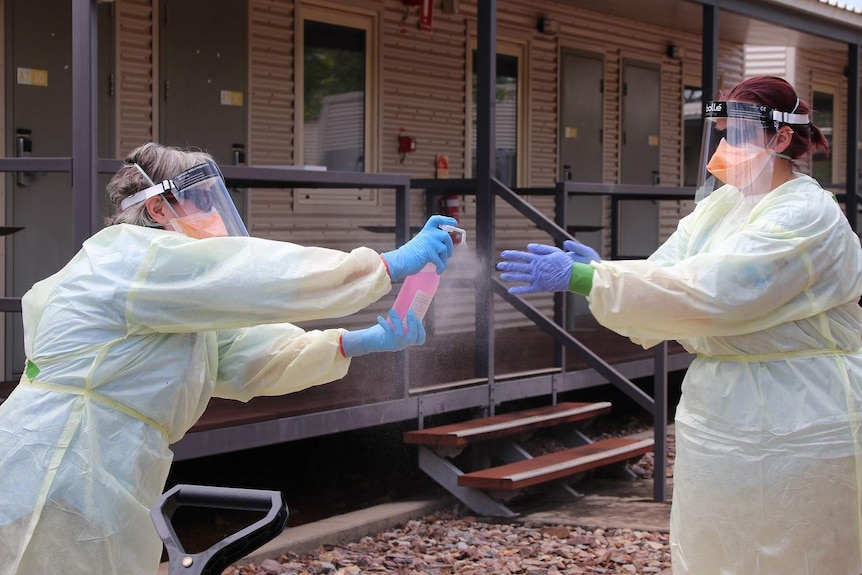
10	304
259	177
559	234
658	405
572	344
31	164
527	210
628	191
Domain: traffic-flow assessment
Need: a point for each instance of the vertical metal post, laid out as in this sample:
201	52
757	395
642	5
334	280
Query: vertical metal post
402	235
85	204
430	200
561	203
402	215
852	202
486	68
709	69
659	477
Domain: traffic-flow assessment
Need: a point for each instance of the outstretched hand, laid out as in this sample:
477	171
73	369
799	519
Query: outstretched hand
393	334
430	245
581	253
543	268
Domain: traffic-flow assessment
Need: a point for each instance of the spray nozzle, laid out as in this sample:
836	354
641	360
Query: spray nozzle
462	234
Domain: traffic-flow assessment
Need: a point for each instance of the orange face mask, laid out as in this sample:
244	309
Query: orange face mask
738	167
200	226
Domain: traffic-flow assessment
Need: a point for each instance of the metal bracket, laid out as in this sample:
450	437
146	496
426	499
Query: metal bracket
420	412
446	474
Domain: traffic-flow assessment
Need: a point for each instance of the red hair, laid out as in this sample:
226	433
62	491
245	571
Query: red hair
777	93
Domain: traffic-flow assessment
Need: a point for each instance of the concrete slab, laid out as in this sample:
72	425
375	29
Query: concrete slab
607	504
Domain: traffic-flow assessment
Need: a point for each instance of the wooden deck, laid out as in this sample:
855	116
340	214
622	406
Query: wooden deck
446	358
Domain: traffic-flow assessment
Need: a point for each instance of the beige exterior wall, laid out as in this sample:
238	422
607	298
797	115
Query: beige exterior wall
135	71
824	72
423	87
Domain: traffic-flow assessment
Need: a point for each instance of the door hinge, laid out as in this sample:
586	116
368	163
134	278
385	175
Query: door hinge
167	89
625	89
111	86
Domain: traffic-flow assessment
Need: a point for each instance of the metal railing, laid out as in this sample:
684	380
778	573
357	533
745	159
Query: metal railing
656	405
249	176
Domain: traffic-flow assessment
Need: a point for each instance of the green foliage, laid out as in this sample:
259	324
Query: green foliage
328	72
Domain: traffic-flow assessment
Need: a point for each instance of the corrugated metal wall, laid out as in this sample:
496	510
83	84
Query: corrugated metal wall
134	58
769	61
270	107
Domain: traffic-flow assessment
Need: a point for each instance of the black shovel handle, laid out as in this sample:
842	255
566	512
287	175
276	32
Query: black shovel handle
215	559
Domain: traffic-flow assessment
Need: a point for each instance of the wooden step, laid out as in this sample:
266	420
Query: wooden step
461	434
556	465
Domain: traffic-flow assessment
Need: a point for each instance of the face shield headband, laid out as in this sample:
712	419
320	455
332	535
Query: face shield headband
737	148
199	200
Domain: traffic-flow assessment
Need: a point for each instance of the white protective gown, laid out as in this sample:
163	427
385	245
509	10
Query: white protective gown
130	340
768	466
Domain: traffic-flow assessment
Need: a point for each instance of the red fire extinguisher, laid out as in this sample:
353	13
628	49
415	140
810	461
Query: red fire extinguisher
451	206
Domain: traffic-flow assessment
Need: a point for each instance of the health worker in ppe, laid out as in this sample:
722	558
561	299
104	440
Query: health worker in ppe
169	305
762	281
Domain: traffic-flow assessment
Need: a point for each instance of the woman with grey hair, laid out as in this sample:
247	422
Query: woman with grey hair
169	305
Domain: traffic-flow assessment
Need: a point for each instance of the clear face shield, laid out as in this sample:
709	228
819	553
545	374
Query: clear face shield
199	201
737	148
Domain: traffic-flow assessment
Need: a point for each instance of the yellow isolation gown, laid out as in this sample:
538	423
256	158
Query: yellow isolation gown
765	290
125	346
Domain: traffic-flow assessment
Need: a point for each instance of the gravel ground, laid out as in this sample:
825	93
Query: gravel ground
444	544
447	543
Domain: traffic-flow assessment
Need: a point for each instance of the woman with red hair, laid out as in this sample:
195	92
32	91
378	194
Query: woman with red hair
762	282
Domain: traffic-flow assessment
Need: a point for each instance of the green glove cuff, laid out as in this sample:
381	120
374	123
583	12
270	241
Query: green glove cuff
581	280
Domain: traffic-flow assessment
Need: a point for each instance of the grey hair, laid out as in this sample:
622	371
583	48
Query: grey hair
159	163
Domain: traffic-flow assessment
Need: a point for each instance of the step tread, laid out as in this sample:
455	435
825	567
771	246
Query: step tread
556	465
460	434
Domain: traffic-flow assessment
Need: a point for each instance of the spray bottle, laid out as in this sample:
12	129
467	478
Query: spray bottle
419	289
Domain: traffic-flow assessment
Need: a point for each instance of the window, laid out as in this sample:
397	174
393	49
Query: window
333	82
508	118
335	98
824	118
692	111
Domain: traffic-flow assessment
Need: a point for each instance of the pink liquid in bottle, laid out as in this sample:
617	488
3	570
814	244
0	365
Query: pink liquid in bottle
417	292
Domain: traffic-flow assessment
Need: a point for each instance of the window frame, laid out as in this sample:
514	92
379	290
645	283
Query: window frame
520	51
684	141
369	22
833	92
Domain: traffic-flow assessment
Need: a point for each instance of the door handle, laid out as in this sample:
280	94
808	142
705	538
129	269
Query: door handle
238	151
23	149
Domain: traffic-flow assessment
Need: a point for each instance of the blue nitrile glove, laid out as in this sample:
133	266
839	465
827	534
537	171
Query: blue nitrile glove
431	245
580	253
385	336
543	268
